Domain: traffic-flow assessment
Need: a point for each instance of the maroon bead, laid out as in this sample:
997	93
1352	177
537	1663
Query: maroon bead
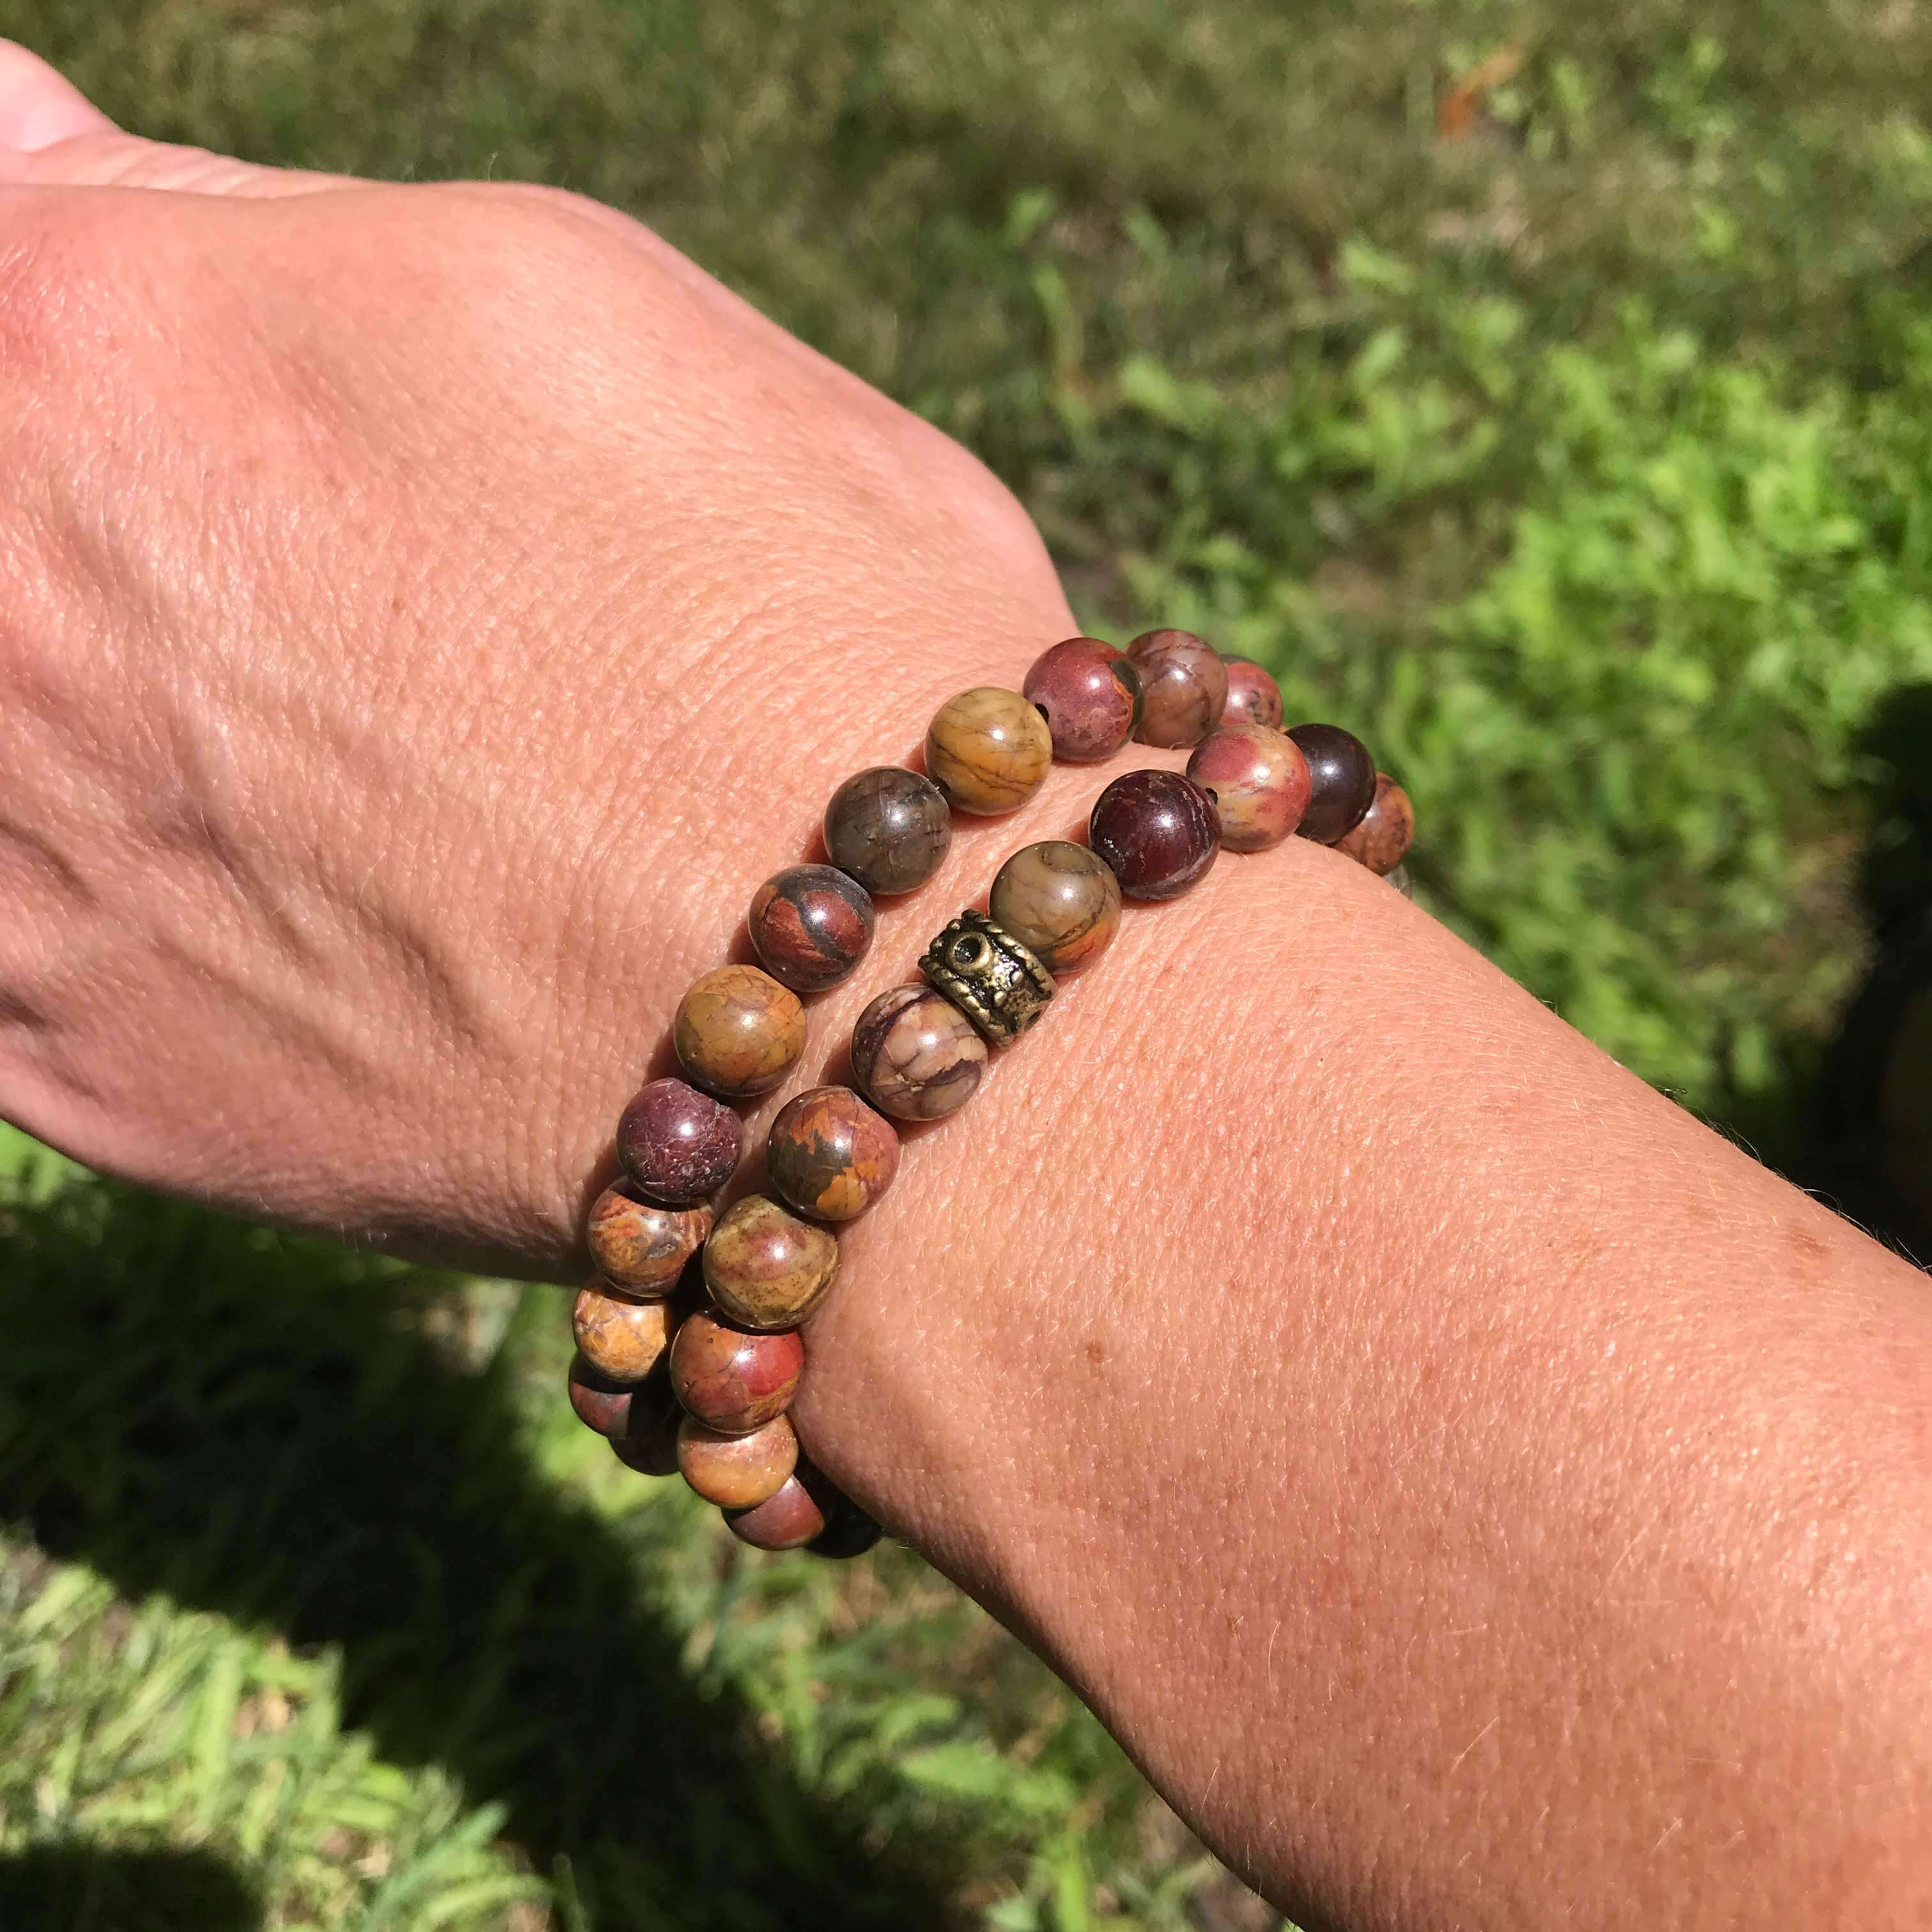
1258	781
1090	695
811	925
678	1145
1183	686
1342	781
601	1403
788	1520
648	1442
1158	830
731	1380
1382	839
1253	697
848	1531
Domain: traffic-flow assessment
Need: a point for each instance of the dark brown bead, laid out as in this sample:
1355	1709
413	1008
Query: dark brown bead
1183	686
888	828
829	1155
621	1339
988	750
737	1471
638	1246
1090	695
1061	901
601	1403
788	1520
738	1032
732	1380
1158	830
1342	781
1258	781
1253	697
1383	839
678	1145
648	1442
765	1267
848	1531
915	1055
811	925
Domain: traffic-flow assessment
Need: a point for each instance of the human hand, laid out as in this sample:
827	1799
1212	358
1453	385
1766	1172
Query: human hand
429	612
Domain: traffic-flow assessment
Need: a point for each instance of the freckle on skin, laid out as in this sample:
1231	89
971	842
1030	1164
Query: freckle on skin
1095	1354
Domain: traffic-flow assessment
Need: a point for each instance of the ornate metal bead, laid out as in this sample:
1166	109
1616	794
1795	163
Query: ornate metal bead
989	976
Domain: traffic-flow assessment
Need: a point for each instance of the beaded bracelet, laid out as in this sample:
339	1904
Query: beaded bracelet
703	1390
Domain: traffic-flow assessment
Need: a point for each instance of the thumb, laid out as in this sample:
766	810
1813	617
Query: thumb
51	135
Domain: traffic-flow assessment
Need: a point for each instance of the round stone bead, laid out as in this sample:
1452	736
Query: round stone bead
1258	781
621	1339
765	1267
988	750
648	1443
1159	832
915	1055
829	1155
678	1145
1061	901
638	1246
1381	840
1253	697
732	1380
848	1531
738	1032
737	1471
1342	779
1090	695
788	1520
888	828
601	1403
1183	686
811	925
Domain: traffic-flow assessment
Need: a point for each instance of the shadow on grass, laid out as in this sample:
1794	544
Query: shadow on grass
87	1888
247	1424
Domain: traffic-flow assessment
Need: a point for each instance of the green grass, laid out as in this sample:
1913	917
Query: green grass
1581	464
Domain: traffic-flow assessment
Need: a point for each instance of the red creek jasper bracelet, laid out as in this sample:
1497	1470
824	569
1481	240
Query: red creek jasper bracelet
701	1384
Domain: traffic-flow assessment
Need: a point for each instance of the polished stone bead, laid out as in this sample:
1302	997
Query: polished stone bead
678	1145
738	1032
787	1520
1342	778
988	750
811	925
731	1379
829	1155
737	1471
848	1531
888	828
1381	840
1253	697
765	1267
620	1338
915	1055
1090	695
648	1441
1159	832
1183	686
1258	781
601	1403
1061	901
638	1246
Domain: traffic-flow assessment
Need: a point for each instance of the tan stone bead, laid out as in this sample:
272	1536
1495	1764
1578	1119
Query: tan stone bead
737	1471
738	1032
765	1267
619	1336
988	751
829	1155
1060	900
1382	839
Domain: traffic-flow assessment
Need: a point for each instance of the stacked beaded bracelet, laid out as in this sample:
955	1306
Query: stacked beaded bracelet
704	1389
